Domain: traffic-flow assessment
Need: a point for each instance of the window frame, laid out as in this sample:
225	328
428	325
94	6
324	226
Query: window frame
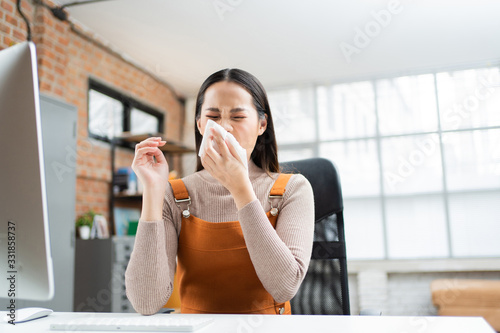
128	104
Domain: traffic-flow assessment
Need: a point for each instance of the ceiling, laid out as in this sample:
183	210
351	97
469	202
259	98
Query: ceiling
285	42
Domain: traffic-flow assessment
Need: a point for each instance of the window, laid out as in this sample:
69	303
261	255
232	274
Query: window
105	115
143	122
112	113
418	157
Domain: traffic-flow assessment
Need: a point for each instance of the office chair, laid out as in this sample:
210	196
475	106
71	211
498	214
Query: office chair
325	287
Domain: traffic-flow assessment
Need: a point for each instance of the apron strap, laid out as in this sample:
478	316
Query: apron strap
181	195
280	184
180	190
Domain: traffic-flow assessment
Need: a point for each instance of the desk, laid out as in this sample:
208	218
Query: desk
291	324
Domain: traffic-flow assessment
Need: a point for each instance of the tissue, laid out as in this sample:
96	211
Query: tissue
242	153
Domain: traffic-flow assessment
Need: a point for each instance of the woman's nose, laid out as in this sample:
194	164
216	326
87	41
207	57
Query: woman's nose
226	125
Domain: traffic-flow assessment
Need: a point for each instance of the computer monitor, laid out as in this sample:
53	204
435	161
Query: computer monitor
25	263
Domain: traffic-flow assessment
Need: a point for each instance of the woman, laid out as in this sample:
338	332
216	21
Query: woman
243	237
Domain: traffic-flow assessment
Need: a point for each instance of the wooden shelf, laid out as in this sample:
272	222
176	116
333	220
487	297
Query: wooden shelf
170	147
122	196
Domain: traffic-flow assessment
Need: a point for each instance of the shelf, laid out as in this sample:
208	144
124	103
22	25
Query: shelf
121	196
169	147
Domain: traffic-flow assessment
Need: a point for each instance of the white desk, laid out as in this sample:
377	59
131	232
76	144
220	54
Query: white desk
292	324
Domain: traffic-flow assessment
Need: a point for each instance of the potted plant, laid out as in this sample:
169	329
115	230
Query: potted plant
84	224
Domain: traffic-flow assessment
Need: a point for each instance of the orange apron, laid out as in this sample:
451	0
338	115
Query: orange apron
215	272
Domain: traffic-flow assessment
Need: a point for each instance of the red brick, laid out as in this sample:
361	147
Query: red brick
11	20
38	29
7	41
4	28
60	81
88	47
7	6
63	40
77	43
45	87
83	172
46	52
46	18
59	92
60	28
49	77
48	44
73	52
26	6
61	58
18	35
45	62
51	34
59	70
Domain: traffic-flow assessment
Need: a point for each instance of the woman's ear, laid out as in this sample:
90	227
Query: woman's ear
263	125
198	124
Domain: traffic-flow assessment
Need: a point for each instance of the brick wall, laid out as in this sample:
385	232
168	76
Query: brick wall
68	55
12	27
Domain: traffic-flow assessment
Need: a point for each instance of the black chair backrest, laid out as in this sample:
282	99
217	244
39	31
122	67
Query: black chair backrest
325	287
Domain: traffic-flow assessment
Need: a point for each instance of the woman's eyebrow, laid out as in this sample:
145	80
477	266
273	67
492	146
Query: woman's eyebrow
238	110
213	109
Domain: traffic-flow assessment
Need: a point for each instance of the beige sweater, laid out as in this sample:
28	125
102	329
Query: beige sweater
280	256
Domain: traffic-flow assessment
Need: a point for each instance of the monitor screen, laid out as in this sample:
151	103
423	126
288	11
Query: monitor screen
26	264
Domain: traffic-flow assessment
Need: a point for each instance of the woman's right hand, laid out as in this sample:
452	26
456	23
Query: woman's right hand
153	174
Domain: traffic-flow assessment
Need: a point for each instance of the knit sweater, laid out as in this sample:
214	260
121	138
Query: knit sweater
280	256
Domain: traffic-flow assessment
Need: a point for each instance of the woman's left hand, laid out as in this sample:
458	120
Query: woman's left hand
227	167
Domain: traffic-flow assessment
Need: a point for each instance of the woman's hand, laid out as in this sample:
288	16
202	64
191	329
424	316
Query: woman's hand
227	167
153	174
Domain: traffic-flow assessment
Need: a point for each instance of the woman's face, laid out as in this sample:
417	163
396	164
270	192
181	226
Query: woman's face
231	106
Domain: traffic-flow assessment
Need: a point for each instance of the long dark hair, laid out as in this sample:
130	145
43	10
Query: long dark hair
265	152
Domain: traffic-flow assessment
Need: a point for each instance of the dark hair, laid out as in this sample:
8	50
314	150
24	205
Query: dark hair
265	152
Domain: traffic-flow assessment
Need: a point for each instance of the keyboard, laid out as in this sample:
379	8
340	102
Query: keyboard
158	323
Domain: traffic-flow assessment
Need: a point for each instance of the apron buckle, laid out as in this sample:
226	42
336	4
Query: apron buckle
185	212
274	210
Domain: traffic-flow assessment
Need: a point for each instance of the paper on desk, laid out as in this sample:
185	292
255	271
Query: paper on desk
225	135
